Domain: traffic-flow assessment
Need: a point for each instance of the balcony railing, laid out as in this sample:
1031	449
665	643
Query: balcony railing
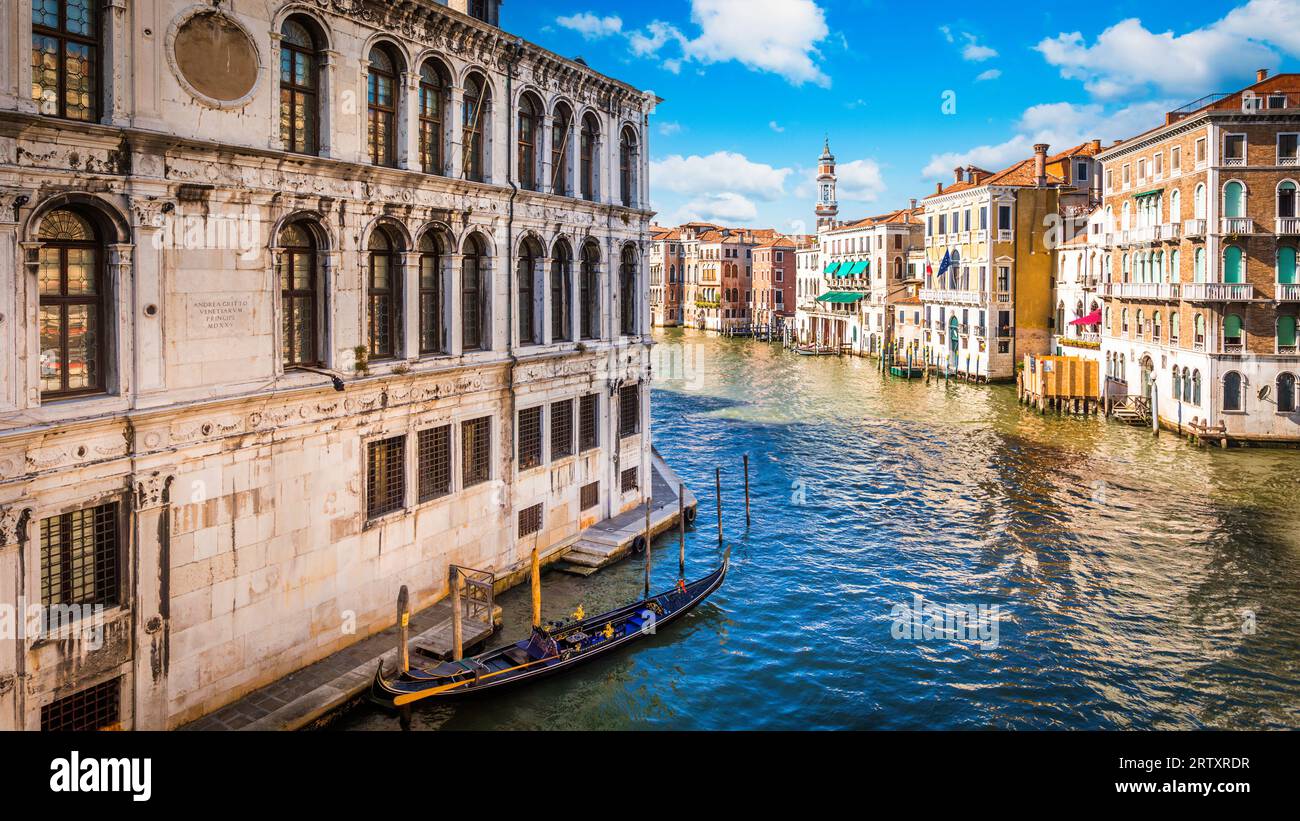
1288	292
1289	226
1218	291
960	297
1170	231
1140	290
1238	225
1194	228
1006	235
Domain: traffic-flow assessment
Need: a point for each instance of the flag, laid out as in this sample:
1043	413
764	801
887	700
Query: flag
946	264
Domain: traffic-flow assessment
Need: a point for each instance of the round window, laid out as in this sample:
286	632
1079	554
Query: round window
215	57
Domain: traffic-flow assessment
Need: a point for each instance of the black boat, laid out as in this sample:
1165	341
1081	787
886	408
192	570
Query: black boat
546	652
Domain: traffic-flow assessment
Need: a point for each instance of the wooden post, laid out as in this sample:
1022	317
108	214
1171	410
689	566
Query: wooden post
647	546
537	589
746	490
403	629
681	531
457	629
717	482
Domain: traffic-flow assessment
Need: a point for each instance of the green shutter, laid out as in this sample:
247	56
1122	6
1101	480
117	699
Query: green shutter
1286	265
1232	326
1232	200
1232	264
1285	330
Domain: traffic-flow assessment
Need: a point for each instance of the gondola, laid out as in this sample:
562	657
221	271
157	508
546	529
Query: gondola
547	651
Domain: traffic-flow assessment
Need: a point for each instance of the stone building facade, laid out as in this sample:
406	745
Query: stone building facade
1199	262
299	302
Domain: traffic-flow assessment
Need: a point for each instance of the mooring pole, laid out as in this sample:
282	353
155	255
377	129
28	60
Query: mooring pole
717	489
537	588
647	546
403	629
457	629
746	490
681	530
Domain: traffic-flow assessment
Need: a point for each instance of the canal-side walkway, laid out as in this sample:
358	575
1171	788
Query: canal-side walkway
313	694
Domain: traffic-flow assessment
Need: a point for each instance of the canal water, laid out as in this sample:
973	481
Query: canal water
1108	579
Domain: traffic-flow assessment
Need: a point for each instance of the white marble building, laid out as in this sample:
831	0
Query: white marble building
299	302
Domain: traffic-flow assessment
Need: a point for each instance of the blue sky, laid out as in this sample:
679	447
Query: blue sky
751	87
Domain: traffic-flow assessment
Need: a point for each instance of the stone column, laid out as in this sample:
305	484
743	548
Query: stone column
328	141
408	119
545	304
122	374
29	301
545	143
275	139
411	305
149	306
13	536
152	537
455	116
456	321
18	44
11	298
336	304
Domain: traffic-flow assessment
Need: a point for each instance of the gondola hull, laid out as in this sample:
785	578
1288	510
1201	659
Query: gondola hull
545	653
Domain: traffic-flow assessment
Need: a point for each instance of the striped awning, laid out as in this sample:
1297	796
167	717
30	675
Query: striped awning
841	297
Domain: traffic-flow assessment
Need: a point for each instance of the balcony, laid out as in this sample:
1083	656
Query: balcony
1163	291
1218	291
1170	231
1006	235
1194	228
1287	226
1288	292
980	235
957	297
1238	225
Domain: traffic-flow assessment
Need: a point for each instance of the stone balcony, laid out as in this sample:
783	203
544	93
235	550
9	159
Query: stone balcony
1287	226
1160	291
1194	228
1237	225
1288	292
956	297
1218	291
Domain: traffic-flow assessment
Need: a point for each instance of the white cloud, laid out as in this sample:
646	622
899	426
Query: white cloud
1127	56
777	127
991	74
776	36
669	129
720	172
592	27
1061	126
859	181
726	208
973	50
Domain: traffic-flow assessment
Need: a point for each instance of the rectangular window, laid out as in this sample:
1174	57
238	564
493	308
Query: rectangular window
1110	180
629	411
1234	149
589	496
65	58
1126	175
530	520
386	476
1004	217
1158	165
1081	172
1287	149
434	462
80	557
1175	160
1200	151
1142	169
629	480
530	438
94	708
588	431
561	429
476	451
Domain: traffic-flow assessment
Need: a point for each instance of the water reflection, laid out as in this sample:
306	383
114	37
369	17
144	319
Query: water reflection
1126	566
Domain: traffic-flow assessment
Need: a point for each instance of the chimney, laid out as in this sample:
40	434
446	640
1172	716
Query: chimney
913	205
1096	145
973	175
938	188
1261	75
1040	164
956	174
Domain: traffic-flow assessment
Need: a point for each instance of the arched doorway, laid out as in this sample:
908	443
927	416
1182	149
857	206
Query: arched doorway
1148	376
954	343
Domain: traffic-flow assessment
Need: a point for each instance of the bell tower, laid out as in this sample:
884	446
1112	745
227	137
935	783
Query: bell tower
827	206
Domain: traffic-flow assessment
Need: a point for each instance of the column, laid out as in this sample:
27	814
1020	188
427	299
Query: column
18	42
545	306
411	305
152	537
11	298
328	144
455	146
336	303
149	306
28	303
116	58
122	349
408	119
275	141
456	317
13	536
545	144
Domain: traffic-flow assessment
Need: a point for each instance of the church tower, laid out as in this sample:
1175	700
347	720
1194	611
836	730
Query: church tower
827	207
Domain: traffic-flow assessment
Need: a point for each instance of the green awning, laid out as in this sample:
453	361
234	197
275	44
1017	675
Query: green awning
831	267
841	297
1150	193
857	269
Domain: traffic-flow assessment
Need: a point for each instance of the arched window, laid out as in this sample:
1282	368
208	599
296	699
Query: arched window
1173	328
433	336
474	126
65	58
1126	268
73	306
627	167
1141	323
1124	215
561	276
530	128
1175	206
561	150
1286	259
587	158
381	106
1232	391
298	295
475	296
433	130
1177	380
299	83
1187	386
627	285
1175	266
1155	326
1286	334
1123	320
1060	317
1198	328
1196	387
1234	200
529	272
1286	199
589	292
1198	202
1232	332
1198	272
1232	264
383	295
1286	393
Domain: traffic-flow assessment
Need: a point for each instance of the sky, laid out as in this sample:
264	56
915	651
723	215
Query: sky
904	91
